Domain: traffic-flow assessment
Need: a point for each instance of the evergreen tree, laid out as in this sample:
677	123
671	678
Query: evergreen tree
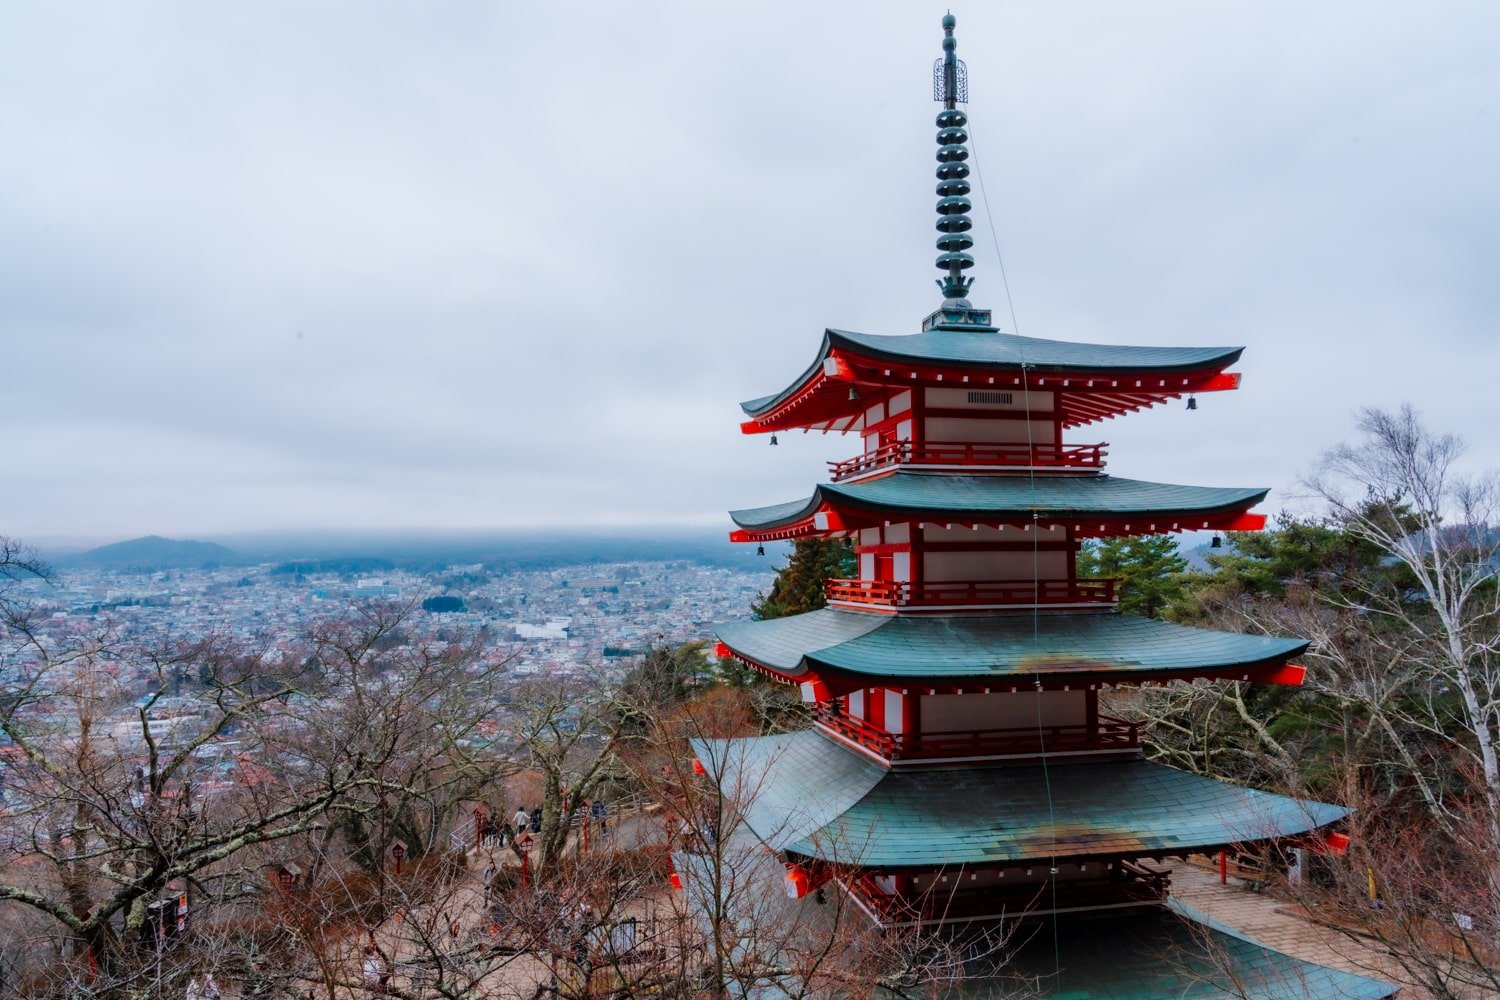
1149	568
799	584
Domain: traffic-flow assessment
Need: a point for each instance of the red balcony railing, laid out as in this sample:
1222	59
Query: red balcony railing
970	593
1120	883
1108	734
965	454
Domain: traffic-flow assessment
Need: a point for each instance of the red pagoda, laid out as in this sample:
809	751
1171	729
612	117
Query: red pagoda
959	765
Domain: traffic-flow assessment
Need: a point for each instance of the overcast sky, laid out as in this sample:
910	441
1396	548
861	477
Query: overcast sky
486	265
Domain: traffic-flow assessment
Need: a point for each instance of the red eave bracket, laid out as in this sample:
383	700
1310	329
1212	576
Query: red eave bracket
1222	382
1246	522
1290	674
1329	843
822	520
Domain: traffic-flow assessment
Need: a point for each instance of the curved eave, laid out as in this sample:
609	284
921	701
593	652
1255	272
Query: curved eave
848	650
817	800
1100	381
1089	505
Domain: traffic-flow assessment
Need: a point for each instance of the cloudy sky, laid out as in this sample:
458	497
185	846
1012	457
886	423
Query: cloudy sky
486	265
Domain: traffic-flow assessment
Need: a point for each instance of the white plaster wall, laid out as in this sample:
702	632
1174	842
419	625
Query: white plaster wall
893	722
995	566
941	430
966	712
1040	401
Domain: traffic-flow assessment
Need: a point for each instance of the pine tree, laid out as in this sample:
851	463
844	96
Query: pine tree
799	584
1148	567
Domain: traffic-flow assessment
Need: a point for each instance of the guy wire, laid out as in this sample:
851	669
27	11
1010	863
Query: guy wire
1036	582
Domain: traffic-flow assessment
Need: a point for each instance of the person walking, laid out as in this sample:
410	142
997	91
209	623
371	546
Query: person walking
375	972
600	814
536	820
203	988
523	820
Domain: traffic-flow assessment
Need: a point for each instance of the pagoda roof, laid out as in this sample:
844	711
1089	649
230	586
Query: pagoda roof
1131	377
818	799
1170	952
939	496
1055	646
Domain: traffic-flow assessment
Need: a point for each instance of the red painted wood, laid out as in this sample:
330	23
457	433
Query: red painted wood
972	455
1105	734
969	593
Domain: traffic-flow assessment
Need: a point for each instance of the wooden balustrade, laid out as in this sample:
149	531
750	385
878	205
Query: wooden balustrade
975	593
1123	882
973	455
1107	734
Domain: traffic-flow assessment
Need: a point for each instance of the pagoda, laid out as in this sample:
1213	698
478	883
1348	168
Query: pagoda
959	769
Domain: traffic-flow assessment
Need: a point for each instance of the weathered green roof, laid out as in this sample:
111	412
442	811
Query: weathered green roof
937	495
1006	350
1167	952
1002	645
1163	953
815	798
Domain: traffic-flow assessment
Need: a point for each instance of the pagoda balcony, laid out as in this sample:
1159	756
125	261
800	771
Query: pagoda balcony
1107	734
1120	884
971	593
976	456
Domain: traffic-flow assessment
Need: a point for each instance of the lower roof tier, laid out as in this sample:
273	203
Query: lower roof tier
816	799
1090	504
1172	952
847	649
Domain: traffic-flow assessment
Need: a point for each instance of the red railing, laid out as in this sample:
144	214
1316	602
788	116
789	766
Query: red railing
970	593
1122	883
1107	734
980	455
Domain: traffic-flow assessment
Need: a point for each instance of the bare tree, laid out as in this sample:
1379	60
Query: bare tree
147	830
1401	491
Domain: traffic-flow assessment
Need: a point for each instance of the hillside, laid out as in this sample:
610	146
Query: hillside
152	553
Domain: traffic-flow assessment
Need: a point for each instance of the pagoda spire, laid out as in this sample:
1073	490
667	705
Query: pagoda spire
950	85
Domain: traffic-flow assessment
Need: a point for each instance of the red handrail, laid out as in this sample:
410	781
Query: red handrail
1107	734
971	593
972	454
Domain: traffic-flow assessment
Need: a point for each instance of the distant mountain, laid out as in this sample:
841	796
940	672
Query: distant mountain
352	552
153	553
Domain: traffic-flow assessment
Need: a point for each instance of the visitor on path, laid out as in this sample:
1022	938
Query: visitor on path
203	989
600	815
536	820
488	880
523	820
376	971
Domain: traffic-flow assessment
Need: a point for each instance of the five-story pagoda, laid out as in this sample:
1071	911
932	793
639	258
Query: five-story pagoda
959	769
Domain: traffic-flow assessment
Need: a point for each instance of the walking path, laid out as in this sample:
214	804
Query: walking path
1284	926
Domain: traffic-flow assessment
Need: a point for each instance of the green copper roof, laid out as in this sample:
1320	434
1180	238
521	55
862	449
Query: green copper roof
1005	645
1164	953
815	798
1008	351
937	495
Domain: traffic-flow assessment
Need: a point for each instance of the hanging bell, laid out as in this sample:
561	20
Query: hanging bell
760	550
1216	542
853	394
774	442
1192	402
